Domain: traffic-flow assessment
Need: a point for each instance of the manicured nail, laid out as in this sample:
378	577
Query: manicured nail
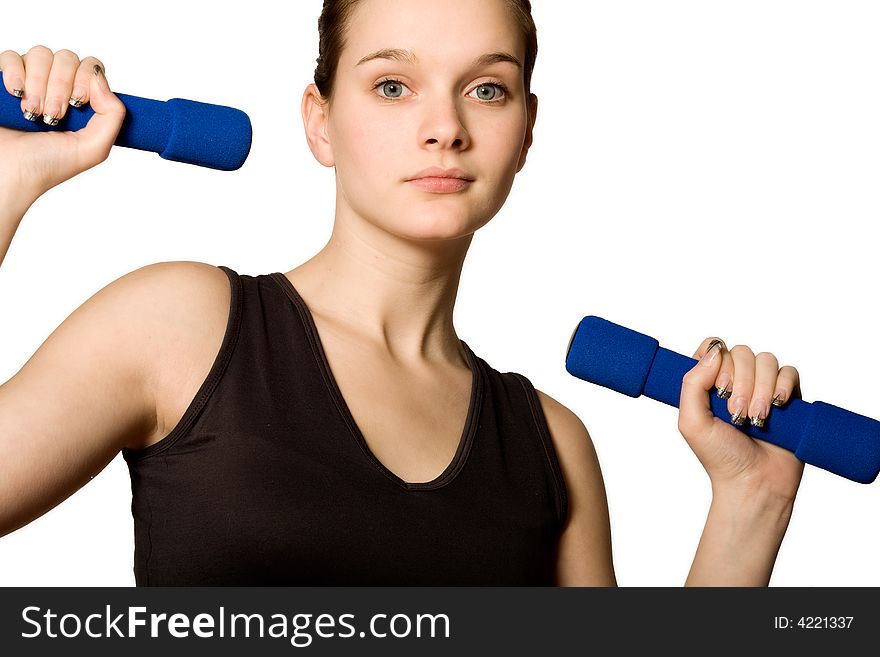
52	112
18	87
712	352
724	387
738	417
31	113
102	79
763	410
778	400
18	93
77	95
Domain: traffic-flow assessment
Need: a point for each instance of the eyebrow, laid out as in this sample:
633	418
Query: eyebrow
408	57
391	53
495	58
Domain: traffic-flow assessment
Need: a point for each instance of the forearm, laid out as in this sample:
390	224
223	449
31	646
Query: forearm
740	540
12	209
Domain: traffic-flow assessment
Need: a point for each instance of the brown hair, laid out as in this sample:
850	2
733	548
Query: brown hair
334	19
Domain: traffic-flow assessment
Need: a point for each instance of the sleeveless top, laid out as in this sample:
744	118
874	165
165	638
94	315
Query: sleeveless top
267	480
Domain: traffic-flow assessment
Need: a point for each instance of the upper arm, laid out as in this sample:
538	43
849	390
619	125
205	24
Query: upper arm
584	556
87	392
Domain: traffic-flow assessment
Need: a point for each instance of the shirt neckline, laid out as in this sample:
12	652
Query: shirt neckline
470	425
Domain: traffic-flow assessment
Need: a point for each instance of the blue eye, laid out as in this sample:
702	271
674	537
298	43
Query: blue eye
488	92
391	89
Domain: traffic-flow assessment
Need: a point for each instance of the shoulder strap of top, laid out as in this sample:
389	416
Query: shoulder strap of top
543	430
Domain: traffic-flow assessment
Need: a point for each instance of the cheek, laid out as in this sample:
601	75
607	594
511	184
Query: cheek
501	138
367	141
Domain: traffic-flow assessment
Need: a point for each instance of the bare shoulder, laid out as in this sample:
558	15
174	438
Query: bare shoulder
176	280
562	418
106	378
181	335
572	442
155	293
136	320
175	304
184	297
584	557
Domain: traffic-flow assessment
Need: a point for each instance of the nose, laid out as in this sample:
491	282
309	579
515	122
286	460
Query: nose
442	127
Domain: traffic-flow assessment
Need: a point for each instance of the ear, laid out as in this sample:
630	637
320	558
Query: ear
315	114
533	115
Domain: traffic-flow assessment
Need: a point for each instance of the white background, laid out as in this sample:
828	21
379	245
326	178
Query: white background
699	168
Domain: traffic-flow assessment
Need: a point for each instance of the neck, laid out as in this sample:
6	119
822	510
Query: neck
396	293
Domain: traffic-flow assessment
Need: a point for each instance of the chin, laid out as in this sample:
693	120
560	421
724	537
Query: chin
438	226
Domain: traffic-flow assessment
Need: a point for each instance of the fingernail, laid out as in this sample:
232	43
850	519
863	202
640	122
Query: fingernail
76	98
761	413
18	87
18	93
102	79
31	108
51	112
738	417
724	387
778	400
712	352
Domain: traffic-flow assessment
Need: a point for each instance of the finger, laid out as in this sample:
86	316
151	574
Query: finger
80	94
37	64
766	371
743	383
788	386
60	86
100	132
13	72
695	414
724	381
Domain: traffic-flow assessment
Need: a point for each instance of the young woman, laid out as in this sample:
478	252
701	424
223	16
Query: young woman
327	425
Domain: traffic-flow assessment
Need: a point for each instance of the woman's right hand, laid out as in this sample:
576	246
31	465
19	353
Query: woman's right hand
48	84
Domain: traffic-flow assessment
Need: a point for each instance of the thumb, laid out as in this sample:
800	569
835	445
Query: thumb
695	413
98	136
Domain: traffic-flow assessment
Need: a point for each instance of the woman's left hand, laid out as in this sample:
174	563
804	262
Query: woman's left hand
753	385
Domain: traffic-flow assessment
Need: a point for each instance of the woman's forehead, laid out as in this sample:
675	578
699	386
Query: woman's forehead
426	30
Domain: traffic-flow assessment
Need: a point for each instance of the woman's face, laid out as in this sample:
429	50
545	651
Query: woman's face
429	120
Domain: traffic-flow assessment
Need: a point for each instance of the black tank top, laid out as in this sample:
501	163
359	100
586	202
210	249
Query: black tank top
267	480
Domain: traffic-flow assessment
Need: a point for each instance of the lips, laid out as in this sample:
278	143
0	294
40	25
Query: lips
441	181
